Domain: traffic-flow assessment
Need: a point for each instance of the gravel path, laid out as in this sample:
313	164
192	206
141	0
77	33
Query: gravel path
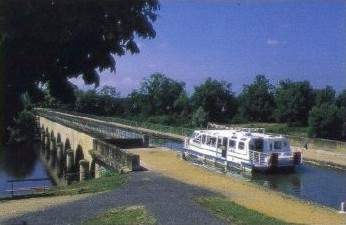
168	200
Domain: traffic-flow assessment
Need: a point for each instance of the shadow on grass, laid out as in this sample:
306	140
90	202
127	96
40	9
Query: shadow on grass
236	214
105	183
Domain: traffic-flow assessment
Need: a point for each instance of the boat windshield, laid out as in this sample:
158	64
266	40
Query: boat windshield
256	144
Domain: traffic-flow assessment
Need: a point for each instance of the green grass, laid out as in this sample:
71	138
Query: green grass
236	214
104	183
123	216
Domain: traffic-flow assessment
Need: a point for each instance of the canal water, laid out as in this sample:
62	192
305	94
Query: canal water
20	162
319	184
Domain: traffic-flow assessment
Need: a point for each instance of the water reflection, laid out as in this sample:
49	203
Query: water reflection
19	160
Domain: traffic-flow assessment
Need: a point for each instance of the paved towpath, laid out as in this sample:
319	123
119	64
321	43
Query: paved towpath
168	200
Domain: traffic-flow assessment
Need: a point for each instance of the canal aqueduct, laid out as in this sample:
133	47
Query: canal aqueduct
78	149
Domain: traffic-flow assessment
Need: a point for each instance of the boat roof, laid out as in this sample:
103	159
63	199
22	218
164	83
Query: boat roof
242	133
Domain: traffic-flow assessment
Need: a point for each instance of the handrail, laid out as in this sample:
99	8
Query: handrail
13	190
258	158
26	180
88	126
183	131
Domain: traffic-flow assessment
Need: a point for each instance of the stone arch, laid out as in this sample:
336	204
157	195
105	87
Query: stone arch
79	155
58	138
52	134
47	131
67	144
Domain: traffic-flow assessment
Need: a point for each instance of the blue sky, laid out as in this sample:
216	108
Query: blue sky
236	40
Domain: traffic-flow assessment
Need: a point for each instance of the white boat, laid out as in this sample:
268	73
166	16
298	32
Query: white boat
242	148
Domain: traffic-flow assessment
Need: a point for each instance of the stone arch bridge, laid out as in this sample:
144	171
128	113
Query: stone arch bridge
78	148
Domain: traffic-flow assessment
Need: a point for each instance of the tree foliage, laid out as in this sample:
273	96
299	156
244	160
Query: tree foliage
200	118
216	99
159	94
257	100
341	99
52	41
325	121
105	102
325	95
293	102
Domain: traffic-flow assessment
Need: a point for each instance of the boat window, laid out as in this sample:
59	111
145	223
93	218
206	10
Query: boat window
203	138
231	143
256	145
197	139
285	144
212	141
241	145
219	142
277	145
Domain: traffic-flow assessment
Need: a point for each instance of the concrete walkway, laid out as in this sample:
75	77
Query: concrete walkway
169	201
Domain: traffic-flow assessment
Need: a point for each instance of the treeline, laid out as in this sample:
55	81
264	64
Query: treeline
163	100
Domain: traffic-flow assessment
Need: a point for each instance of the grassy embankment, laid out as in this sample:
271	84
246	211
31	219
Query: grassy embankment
136	215
104	183
236	214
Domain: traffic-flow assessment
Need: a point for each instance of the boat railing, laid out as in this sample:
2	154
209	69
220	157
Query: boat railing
230	127
258	158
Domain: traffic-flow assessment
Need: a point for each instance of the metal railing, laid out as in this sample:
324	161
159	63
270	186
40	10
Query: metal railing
258	158
102	129
182	131
27	190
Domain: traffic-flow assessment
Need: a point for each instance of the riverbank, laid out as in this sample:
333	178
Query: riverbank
270	203
324	158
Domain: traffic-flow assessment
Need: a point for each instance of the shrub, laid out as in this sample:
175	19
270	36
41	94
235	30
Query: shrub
23	128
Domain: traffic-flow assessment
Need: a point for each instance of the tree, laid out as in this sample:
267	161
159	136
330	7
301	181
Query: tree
257	100
293	102
159	95
216	99
200	118
325	121
52	41
109	91
325	95
105	102
341	99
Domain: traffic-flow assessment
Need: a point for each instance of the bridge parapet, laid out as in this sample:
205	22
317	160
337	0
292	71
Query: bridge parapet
95	128
115	157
